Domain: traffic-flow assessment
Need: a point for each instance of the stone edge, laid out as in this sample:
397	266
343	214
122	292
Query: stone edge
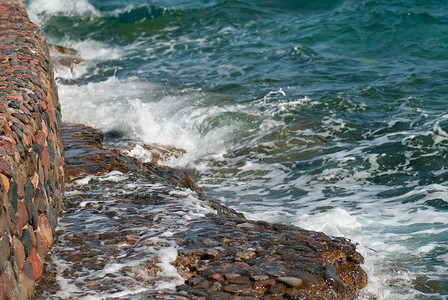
31	162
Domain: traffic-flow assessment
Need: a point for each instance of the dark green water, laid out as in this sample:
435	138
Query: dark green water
331	115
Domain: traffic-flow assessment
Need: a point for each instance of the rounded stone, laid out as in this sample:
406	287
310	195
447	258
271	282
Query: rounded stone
238	288
21	216
36	263
33	215
240	280
7	286
41	201
27	242
19	252
12	195
279	288
291	281
44	228
5	248
26	279
330	274
264	283
216	286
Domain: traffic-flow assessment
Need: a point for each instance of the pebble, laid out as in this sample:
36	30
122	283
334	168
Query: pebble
259	277
217	277
278	288
246	254
331	275
267	283
131	239
238	289
216	286
291	281
230	276
195	280
240	280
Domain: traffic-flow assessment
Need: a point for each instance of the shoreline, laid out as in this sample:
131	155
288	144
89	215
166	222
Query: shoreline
219	256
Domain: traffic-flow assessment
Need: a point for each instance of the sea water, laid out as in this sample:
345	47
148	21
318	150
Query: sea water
331	115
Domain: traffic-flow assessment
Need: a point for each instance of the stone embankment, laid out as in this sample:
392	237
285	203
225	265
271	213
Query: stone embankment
31	163
220	256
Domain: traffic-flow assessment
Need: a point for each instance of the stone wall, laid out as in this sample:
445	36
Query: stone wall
31	163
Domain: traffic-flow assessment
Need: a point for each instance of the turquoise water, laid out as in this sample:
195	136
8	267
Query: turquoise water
330	115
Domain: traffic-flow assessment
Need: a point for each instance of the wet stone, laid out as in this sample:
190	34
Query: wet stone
195	280
230	276
279	288
291	281
276	272
219	296
203	285
216	286
199	293
246	254
290	295
240	280
216	277
357	258
212	251
352	274
259	277
332	277
238	289
267	283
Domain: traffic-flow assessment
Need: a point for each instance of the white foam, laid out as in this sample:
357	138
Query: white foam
426	248
84	181
141	109
167	256
113	176
336	222
40	9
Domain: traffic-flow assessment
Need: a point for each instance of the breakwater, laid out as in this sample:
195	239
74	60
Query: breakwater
141	230
148	237
31	163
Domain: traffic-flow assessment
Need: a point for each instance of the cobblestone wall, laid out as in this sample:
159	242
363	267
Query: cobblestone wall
31	163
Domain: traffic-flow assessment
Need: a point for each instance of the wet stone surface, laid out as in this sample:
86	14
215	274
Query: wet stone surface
134	231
